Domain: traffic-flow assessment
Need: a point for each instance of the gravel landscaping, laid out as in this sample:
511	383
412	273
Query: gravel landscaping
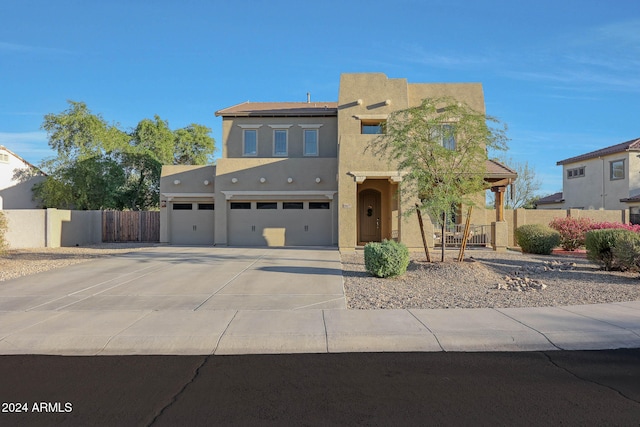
487	279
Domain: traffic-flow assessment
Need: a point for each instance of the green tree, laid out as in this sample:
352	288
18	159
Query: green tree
441	148
99	166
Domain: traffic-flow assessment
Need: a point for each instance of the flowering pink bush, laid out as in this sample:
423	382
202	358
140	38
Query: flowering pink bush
572	231
608	225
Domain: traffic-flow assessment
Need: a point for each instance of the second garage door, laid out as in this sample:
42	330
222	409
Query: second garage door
280	223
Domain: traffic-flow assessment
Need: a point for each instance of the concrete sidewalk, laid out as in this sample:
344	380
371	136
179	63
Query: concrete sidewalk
202	332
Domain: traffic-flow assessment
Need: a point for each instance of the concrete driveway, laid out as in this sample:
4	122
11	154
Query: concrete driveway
186	278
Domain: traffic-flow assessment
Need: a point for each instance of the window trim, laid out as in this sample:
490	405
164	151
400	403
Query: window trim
611	169
379	123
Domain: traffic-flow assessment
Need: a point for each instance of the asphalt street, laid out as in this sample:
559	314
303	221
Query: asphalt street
528	388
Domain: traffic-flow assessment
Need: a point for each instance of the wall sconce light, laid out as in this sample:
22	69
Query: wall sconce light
359	102
263	180
176	182
387	102
289	180
234	180
206	182
318	180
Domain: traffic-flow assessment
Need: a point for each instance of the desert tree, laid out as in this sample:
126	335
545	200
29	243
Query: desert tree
440	147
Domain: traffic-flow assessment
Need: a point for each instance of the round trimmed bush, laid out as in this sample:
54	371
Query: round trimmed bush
600	246
626	252
537	238
386	259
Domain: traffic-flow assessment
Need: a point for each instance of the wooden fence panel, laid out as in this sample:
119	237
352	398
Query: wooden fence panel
130	226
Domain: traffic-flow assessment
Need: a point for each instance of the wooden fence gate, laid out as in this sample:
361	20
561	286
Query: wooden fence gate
130	226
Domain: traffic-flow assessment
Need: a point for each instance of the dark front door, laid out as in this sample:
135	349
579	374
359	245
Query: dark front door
370	216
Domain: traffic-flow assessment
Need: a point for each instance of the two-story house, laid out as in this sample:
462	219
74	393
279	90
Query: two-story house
298	173
17	177
608	178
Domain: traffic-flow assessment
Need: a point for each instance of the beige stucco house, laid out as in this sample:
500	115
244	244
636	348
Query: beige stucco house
17	177
297	173
608	178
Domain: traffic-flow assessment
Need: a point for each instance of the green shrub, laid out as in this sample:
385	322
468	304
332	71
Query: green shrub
386	259
600	244
626	252
4	226
537	238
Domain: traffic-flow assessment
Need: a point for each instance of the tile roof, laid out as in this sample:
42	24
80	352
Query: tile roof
280	109
632	145
554	198
496	169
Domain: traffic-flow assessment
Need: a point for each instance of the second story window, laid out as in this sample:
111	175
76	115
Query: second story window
280	142
311	142
372	127
250	142
616	170
4	157
446	136
575	172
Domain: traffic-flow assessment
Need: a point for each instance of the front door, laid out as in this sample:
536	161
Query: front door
370	216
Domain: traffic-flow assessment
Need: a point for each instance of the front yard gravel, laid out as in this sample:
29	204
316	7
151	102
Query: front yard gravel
474	283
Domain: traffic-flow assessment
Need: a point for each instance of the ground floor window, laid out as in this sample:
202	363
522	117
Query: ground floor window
318	205
240	205
206	206
267	205
292	205
182	206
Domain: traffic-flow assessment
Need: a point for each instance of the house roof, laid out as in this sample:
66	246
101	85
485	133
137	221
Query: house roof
280	109
632	145
495	169
2	147
554	198
633	199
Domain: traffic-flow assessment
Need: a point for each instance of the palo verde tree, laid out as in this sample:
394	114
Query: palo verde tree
441	148
100	166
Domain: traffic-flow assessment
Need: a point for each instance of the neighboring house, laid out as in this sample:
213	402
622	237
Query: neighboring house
295	173
608	178
17	177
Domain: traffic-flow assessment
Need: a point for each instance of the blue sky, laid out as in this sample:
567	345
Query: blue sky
563	75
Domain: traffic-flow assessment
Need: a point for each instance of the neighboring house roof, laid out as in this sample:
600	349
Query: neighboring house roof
280	109
632	145
633	199
2	147
548	200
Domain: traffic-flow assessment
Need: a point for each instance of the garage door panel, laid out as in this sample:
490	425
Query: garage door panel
192	226
280	227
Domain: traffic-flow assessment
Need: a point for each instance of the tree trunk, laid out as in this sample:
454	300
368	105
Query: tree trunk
444	237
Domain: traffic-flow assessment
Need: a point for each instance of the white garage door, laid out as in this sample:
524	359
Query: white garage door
280	223
192	223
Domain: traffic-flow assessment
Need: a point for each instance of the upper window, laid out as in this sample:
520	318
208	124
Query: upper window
616	170
445	135
280	142
4	157
249	142
575	172
372	127
311	142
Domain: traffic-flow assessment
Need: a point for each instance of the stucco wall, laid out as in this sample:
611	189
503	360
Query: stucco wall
39	228
232	135
596	190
